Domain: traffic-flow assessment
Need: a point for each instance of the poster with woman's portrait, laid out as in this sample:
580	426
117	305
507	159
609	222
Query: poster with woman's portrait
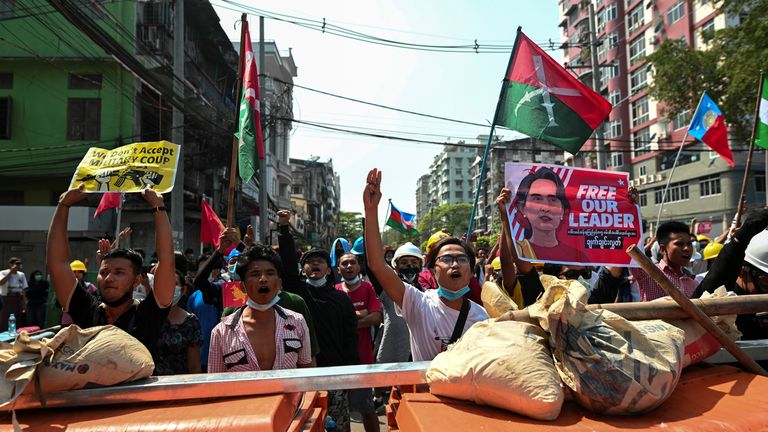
571	215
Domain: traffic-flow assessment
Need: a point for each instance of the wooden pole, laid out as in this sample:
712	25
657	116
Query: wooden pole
695	313
742	195
669	310
233	166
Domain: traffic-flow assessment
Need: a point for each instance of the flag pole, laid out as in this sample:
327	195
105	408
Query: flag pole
119	216
504	86
755	123
233	166
386	215
674	164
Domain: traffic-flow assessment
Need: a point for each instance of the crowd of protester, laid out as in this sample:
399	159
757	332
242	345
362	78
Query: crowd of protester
366	304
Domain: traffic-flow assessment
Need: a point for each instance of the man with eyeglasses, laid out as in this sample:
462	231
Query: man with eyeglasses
742	267
434	317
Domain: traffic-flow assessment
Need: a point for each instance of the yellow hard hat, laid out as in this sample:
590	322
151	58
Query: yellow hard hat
436	237
712	250
496	264
78	265
702	237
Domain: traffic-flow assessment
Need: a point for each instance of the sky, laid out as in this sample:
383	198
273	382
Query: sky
463	86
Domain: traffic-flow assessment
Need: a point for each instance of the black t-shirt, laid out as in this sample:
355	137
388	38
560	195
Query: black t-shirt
143	321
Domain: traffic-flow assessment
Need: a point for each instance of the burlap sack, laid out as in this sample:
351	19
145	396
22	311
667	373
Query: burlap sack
496	301
73	359
612	365
505	364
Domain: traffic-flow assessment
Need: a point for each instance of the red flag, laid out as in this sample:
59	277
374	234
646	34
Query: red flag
210	225
108	201
233	294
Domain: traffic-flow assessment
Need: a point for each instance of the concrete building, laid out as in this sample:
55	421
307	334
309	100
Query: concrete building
448	180
316	198
642	140
519	150
62	94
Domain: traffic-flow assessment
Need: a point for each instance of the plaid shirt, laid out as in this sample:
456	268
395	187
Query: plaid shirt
650	290
231	351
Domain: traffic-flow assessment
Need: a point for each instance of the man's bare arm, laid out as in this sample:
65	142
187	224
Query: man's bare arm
165	271
57	256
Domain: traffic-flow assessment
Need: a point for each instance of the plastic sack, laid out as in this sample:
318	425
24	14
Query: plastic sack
496	301
504	364
612	365
73	359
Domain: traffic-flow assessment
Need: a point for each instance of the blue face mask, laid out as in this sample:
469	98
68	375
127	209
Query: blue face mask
316	283
232	270
452	295
354	281
262	307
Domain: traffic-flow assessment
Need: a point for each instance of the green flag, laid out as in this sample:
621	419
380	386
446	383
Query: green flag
761	139
250	141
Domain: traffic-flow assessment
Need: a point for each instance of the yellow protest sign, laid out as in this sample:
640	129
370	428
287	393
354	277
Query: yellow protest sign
129	168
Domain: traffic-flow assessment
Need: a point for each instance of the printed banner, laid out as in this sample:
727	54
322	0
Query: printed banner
233	294
568	215
129	168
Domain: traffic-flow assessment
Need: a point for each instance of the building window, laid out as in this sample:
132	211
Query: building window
5	117
457	195
457	183
708	28
458	171
606	15
608	72
613	40
709	185
617	159
614	97
676	12
638	79
602	50
640	113
635	19
83	119
643	170
84	81
6	80
636	50
7	8
641	141
613	129
759	182
643	198
681	120
677	192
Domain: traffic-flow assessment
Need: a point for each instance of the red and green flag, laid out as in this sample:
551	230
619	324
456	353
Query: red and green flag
761	138
543	100
250	141
401	221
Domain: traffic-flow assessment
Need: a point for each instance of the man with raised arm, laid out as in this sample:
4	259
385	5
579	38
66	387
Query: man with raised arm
433	316
119	274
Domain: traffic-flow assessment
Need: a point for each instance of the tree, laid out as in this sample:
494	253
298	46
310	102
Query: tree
453	217
349	225
728	70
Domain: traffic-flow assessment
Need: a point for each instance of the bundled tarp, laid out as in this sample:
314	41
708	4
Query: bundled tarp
73	359
611	364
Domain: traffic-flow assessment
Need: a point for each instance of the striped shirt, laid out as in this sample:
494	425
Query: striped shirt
650	290
231	351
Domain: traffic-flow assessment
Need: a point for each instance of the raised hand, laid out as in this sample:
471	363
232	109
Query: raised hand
503	199
152	197
249	237
104	247
372	192
229	237
73	196
633	194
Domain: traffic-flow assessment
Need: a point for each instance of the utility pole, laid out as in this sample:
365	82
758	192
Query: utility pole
599	145
263	187
177	134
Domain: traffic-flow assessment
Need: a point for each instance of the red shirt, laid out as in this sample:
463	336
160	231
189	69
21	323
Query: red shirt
363	298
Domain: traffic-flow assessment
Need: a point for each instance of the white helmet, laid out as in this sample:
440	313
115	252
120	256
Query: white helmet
407	249
757	251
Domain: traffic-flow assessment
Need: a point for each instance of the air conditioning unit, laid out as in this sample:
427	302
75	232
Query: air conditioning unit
659	177
643	180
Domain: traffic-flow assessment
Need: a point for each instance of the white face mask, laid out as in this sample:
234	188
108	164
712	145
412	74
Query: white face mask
354	281
262	307
317	283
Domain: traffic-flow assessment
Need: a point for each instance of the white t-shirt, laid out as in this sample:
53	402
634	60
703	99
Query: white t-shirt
15	284
431	322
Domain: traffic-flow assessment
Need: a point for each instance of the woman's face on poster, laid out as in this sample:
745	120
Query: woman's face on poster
543	208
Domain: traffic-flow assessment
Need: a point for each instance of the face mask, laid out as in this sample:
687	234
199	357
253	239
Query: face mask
354	281
176	295
452	295
38	278
262	307
409	274
696	245
128	296
233	276
316	283
584	282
